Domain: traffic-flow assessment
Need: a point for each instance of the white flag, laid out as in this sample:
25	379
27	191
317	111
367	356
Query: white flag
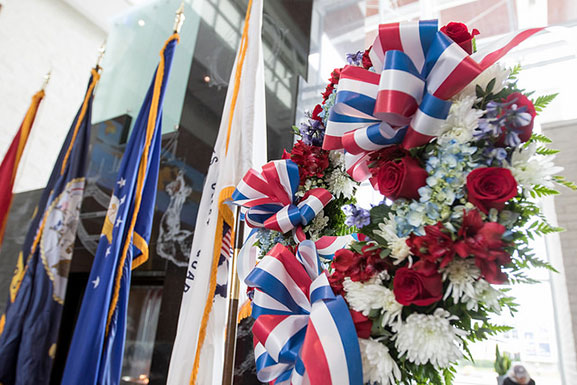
198	352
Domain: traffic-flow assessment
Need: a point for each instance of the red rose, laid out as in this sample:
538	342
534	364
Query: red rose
312	160
520	101
435	246
363	324
399	178
491	187
367	63
484	241
459	33
420	288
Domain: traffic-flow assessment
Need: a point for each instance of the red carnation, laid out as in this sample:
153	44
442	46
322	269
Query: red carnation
312	160
435	246
459	33
358	267
315	115
491	187
417	286
367	63
484	241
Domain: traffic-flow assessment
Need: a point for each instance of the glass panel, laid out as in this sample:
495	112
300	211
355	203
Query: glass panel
132	54
143	310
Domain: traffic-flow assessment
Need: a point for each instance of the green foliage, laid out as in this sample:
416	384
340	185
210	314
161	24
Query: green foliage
539	138
539	191
542	101
296	131
542	150
564	182
502	362
516	70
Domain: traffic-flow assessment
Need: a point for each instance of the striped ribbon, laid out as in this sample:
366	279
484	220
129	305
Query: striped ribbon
418	69
303	333
327	245
270	201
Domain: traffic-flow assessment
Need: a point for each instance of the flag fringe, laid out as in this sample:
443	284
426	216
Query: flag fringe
224	215
238	73
80	119
151	125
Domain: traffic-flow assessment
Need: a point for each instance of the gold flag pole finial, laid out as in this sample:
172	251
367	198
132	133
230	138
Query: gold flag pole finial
101	52
179	19
46	79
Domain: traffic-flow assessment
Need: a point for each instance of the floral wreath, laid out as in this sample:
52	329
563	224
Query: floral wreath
395	293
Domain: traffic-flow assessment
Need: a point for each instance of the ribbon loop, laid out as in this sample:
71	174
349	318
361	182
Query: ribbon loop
406	101
315	340
270	201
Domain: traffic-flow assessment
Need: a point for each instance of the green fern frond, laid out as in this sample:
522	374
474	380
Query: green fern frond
542	101
540	138
542	191
562	181
542	150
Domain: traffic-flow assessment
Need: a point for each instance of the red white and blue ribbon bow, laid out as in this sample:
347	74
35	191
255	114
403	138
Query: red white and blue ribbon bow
418	69
269	197
303	333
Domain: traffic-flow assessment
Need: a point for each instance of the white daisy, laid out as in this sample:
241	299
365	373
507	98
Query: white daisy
364	297
398	245
462	120
430	338
378	365
462	274
530	168
340	184
486	294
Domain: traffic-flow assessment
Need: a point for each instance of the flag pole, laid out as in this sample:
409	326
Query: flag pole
233	294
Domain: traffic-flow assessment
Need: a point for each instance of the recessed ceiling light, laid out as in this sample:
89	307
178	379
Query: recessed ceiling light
141	22
206	78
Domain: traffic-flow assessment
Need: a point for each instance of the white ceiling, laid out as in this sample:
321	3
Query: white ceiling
101	12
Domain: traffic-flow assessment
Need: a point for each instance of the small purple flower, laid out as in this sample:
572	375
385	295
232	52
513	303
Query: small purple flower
499	118
312	132
356	216
355	58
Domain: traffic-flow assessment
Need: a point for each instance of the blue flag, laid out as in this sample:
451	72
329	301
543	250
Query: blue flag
95	355
29	327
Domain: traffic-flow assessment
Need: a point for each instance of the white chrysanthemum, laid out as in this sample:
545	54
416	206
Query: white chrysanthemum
530	168
340	184
337	159
398	245
463	119
430	338
486	294
378	365
462	274
317	225
496	71
364	297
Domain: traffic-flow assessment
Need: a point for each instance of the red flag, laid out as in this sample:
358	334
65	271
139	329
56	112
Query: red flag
11	160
